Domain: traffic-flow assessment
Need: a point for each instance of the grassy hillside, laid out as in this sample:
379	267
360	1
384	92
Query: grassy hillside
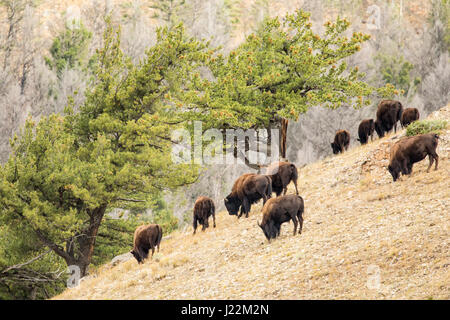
358	225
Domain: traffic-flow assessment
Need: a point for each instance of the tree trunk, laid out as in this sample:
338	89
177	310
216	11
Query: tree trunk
284	126
87	242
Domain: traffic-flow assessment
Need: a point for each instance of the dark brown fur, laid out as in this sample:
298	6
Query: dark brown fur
279	210
366	129
341	141
203	209
248	189
145	238
407	151
388	113
282	173
409	115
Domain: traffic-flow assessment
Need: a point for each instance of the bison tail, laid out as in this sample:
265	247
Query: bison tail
160	234
213	207
294	174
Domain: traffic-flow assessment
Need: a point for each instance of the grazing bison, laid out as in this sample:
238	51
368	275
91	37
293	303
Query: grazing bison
366	129
388	113
407	151
409	115
282	173
203	208
341	141
279	210
248	189
145	238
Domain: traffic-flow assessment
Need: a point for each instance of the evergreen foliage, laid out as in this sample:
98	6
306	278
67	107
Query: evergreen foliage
278	73
65	172
426	126
69	49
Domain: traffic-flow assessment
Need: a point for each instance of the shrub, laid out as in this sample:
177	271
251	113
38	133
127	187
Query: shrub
425	126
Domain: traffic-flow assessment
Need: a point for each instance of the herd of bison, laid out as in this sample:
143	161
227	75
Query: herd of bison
251	187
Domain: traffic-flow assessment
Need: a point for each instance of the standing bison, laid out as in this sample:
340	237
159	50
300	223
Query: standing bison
388	113
279	210
366	129
409	115
407	151
341	141
248	189
282	173
203	209
145	238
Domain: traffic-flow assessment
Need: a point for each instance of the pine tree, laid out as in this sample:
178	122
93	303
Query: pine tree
66	171
278	73
69	49
168	11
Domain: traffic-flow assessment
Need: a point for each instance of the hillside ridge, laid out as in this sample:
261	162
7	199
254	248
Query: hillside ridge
364	237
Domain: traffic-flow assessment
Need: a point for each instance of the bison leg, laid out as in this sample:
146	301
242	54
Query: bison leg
141	254
300	219
284	191
433	156
195	224
144	253
214	220
430	157
205	224
278	228
153	251
404	167
274	230
410	165
246	206
241	211
295	184
264	199
294	219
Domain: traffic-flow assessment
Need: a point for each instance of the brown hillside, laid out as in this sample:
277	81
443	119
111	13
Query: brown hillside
358	224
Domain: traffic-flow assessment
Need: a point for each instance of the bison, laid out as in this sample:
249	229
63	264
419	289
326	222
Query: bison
388	113
282	173
248	189
366	129
409	115
341	141
407	151
203	209
279	210
146	237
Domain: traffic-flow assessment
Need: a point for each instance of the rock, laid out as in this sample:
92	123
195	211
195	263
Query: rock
121	258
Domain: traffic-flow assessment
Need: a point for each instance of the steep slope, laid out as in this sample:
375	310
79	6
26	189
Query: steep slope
364	237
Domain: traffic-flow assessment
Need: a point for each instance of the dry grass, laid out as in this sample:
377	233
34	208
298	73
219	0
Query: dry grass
358	225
